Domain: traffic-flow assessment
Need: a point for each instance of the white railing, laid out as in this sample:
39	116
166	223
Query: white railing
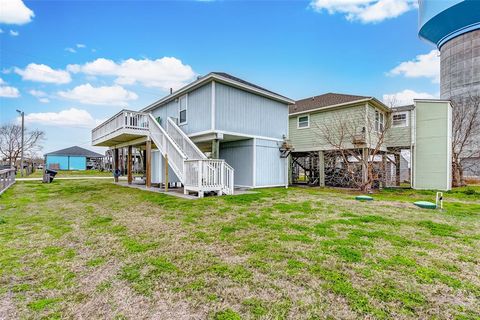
167	147
7	178
125	119
209	175
227	178
190	165
183	141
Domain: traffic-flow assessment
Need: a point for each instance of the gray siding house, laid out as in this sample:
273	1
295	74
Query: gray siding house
218	116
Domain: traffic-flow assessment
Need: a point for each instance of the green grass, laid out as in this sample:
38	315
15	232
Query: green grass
68	173
91	249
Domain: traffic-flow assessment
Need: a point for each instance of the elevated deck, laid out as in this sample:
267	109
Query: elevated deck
196	172
122	127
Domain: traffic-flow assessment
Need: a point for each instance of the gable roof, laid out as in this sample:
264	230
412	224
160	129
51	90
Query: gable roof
75	151
324	100
229	76
221	77
329	100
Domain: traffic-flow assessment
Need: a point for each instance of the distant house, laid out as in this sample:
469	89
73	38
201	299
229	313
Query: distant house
73	158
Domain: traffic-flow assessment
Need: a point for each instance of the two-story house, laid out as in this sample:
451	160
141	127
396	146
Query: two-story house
214	134
339	138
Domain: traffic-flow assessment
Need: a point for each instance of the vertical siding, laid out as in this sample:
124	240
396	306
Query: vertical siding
199	115
61	160
77	163
67	162
239	154
158	169
432	151
247	113
270	168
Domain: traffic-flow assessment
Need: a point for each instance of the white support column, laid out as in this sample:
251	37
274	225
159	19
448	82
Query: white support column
254	181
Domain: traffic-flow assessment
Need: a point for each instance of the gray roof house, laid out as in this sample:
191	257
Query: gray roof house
214	134
73	158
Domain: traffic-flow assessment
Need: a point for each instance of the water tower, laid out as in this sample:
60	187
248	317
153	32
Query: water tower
454	27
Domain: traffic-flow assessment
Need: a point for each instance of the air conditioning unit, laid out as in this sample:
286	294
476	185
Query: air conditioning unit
359	139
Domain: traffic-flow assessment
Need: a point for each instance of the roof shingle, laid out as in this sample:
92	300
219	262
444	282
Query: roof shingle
76	151
229	76
324	100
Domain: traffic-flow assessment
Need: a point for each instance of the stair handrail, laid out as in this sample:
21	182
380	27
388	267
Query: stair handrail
194	152
164	147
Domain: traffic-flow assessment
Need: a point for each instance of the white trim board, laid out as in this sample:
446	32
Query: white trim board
247	136
212	110
254	181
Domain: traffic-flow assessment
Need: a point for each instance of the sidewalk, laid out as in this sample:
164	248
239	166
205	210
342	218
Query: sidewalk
63	178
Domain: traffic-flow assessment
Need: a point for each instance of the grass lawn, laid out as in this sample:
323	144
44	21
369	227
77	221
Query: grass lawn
90	249
74	173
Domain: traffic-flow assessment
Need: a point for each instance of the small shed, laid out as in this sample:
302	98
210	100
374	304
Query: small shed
73	158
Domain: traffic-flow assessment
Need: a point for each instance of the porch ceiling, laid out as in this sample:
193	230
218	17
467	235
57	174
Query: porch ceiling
116	139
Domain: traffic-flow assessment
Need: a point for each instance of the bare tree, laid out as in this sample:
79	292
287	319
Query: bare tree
465	135
11	142
355	143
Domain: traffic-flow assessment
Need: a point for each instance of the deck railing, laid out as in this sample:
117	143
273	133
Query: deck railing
125	119
209	174
7	178
183	141
168	147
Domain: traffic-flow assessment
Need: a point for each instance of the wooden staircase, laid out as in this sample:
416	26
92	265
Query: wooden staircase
196	172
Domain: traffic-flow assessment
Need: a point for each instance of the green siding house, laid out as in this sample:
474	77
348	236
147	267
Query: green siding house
339	135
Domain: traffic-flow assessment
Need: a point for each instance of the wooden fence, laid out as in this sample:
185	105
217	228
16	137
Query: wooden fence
7	178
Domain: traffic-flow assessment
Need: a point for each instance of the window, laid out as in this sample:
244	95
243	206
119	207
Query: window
182	110
379	121
303	122
399	119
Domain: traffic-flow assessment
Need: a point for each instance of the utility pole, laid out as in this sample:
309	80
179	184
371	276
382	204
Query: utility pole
23	133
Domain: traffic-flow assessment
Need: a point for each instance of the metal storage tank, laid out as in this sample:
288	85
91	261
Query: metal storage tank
454	27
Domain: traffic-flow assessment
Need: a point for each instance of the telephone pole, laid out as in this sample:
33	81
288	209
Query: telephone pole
23	133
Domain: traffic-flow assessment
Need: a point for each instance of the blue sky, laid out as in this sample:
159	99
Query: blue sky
69	65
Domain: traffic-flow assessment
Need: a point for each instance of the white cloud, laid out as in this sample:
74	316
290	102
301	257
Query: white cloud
1	30
38	93
43	73
66	118
81	45
8	91
41	95
405	97
15	12
164	73
71	50
365	11
14	33
424	65
86	93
